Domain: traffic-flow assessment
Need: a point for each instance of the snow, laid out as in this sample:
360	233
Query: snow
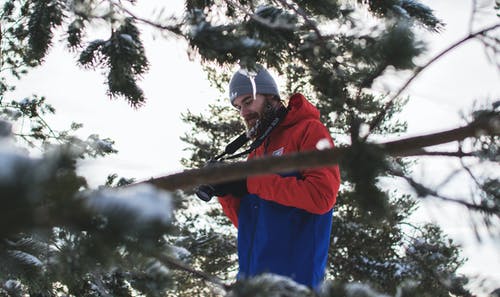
197	29
12	113
145	201
323	144
364	129
260	9
400	269
356	289
26	258
180	252
251	42
274	285
157	268
402	12
25	101
12	284
127	38
280	22
104	145
12	287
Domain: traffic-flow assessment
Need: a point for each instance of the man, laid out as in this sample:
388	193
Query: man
283	219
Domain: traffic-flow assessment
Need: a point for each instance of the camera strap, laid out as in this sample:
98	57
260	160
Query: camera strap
236	144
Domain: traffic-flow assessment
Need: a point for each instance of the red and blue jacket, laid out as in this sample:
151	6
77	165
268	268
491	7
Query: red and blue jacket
284	223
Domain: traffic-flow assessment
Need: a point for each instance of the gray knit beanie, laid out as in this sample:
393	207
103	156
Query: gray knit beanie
241	83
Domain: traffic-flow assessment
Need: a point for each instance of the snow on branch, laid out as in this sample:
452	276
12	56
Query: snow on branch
145	202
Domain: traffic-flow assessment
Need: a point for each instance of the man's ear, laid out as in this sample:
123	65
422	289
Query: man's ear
273	99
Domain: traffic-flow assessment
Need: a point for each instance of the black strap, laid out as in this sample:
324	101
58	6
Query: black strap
234	145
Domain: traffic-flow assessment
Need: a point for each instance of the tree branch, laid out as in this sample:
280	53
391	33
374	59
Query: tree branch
297	161
424	191
257	18
300	12
378	119
201	274
457	154
173	29
407	147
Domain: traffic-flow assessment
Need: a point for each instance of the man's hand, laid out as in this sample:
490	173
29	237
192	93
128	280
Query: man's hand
237	188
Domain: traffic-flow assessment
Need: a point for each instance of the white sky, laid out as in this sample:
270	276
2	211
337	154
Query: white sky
148	138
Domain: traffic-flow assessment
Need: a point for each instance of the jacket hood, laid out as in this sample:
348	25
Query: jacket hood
299	108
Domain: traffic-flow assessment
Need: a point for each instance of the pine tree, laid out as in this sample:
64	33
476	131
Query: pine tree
59	237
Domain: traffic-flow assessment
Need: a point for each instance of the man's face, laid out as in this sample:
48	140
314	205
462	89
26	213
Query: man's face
250	109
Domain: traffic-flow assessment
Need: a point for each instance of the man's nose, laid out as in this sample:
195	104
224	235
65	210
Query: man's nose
244	111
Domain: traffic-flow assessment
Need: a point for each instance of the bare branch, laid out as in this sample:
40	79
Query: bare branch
297	161
172	29
458	154
201	274
469	172
406	147
424	191
378	119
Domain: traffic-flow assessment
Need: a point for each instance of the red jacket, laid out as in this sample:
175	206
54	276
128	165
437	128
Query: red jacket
300	131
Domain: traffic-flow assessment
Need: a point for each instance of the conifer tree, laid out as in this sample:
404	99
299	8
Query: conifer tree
59	237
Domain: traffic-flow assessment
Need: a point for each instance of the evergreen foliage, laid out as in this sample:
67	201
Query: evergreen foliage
45	16
59	237
123	54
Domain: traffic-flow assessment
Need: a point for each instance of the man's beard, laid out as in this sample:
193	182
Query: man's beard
263	121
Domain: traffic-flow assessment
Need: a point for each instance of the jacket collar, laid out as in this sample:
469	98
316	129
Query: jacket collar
299	108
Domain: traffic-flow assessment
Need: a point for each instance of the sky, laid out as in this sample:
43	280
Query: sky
148	138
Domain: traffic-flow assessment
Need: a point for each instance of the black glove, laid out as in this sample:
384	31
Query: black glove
236	188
